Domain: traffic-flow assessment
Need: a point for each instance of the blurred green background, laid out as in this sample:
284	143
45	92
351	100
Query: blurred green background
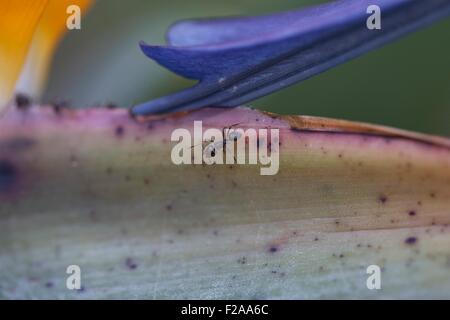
405	84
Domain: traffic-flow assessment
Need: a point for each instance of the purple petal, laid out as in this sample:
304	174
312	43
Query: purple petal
238	60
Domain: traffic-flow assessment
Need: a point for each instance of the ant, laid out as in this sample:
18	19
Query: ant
229	136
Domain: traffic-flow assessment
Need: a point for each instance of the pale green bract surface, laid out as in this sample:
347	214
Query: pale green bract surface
97	188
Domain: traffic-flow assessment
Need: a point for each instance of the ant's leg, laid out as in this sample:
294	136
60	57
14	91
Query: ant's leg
227	146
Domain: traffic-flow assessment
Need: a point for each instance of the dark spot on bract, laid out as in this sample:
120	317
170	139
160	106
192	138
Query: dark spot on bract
22	101
130	264
49	284
273	249
242	260
8	175
382	198
119	131
411	240
58	106
131	114
111	106
169	207
412	213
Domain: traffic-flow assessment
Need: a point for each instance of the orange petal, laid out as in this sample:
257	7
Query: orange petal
49	31
18	19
